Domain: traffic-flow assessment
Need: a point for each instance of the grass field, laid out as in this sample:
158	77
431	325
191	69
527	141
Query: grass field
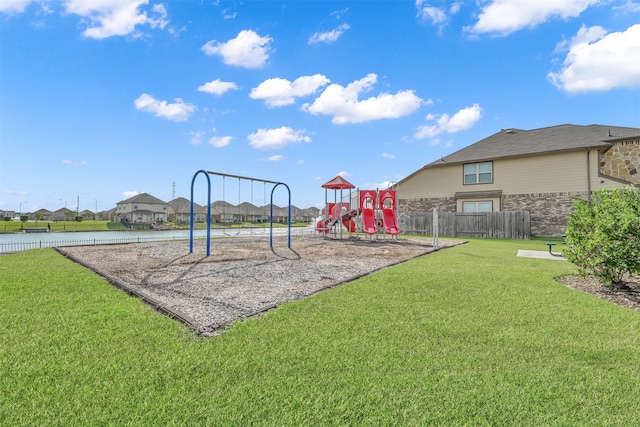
470	335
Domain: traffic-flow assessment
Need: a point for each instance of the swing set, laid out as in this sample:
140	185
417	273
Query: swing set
240	179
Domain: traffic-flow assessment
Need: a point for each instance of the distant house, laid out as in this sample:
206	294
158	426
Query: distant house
180	211
142	208
42	214
537	170
63	214
88	215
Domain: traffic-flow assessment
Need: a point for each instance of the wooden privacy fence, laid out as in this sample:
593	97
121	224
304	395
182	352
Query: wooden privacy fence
493	225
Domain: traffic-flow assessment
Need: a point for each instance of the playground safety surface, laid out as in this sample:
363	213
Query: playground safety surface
243	276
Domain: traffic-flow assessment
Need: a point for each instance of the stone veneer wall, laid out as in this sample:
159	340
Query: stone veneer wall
622	161
548	210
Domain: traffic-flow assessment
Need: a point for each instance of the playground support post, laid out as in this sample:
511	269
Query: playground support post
288	216
208	212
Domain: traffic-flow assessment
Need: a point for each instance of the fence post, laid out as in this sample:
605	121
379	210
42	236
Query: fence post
435	228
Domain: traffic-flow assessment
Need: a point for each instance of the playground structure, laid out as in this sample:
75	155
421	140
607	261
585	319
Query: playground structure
239	178
376	211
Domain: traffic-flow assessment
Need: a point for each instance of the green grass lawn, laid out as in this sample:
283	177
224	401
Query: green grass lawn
87	225
470	335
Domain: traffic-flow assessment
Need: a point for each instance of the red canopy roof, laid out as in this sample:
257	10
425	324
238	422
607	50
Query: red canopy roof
338	183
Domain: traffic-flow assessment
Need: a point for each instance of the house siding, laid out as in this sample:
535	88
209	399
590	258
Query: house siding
544	185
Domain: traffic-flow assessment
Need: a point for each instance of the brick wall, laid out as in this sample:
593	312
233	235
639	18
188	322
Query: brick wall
548	210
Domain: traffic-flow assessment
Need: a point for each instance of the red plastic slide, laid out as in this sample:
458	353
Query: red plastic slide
368	208
390	223
350	225
388	203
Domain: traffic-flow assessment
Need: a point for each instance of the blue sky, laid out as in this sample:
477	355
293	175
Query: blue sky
102	99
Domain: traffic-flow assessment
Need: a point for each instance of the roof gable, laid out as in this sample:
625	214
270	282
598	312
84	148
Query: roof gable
338	183
144	198
518	142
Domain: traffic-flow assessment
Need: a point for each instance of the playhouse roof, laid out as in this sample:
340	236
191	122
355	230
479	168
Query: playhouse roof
338	183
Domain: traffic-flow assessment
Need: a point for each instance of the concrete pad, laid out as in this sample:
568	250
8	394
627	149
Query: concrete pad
539	254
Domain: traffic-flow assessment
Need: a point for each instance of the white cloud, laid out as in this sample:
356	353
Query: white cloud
343	104
388	156
278	92
73	163
343	174
14	6
276	138
228	14
275	158
462	120
426	12
220	141
179	111
128	194
247	50
436	15
107	18
598	61
506	16
217	87
196	136
328	36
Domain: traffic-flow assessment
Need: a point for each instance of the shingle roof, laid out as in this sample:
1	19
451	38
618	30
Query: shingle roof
182	205
518	142
144	198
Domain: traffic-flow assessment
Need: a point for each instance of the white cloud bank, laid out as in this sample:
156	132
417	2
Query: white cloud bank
328	36
179	111
247	50
279	92
103	18
462	120
217	87
13	6
437	15
598	61
342	103
220	141
276	138
107	18
504	17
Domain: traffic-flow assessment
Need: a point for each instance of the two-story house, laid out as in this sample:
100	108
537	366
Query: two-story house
142	208
538	170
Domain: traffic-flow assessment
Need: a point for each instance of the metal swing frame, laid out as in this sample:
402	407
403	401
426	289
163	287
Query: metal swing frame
207	175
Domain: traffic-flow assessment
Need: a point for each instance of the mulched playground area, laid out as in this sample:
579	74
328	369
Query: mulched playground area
243	276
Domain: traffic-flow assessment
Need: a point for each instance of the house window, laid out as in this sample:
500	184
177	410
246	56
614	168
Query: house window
478	173
483	206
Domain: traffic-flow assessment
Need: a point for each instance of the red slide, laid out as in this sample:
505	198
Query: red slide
369	224
350	225
388	203
390	223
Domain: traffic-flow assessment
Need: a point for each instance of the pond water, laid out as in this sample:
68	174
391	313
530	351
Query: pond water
24	241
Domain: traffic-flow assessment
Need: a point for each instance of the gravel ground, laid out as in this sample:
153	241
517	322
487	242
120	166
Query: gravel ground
243	276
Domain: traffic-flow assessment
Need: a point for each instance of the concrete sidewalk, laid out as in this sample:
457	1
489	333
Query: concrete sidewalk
539	254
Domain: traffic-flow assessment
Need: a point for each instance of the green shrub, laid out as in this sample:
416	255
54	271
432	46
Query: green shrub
7	218
603	234
79	219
